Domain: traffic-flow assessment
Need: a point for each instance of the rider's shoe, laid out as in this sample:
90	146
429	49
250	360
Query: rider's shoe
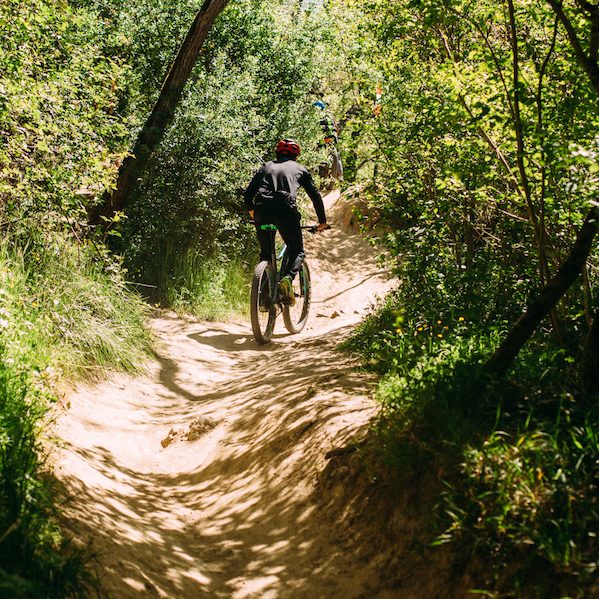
286	291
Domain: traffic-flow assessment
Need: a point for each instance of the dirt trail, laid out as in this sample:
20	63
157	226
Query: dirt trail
199	479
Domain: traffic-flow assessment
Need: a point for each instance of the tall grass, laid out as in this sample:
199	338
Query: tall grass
520	455
211	288
64	311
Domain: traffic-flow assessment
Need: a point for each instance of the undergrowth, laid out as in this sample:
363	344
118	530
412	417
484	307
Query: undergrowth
36	560
211	289
209	280
64	312
519	455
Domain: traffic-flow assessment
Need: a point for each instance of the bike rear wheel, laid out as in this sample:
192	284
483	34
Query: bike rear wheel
296	316
262	305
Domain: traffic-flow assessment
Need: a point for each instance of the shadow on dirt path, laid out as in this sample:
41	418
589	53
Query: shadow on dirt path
200	479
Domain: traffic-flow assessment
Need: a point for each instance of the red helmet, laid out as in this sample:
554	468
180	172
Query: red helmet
289	147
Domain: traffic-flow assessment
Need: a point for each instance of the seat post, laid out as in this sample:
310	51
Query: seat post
272	229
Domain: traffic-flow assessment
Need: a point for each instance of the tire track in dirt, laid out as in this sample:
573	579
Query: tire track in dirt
226	505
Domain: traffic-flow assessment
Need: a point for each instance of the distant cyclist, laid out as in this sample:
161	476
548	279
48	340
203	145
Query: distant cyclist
330	129
271	198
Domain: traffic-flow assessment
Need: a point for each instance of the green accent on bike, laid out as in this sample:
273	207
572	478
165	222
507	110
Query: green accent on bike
268	227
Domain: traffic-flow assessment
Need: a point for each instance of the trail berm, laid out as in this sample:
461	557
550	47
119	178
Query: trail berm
200	478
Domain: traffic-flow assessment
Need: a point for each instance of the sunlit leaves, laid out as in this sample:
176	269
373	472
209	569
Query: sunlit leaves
254	83
60	133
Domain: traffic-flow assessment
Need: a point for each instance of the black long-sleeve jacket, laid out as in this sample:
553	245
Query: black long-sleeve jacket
280	181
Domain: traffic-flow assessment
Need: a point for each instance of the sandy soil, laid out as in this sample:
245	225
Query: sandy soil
201	478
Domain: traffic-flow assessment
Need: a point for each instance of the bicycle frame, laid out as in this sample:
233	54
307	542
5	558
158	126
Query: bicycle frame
272	229
266	303
274	258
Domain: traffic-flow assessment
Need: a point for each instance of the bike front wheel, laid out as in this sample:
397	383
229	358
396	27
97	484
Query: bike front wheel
262	306
296	316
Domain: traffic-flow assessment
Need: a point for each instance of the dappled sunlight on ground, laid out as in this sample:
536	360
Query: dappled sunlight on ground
233	510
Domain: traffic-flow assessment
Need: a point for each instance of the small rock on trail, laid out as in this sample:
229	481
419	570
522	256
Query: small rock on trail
197	427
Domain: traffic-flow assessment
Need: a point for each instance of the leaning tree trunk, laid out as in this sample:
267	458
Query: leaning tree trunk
161	115
590	366
547	299
588	61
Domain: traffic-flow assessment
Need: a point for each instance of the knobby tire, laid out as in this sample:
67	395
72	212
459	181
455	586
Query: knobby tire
296	316
263	286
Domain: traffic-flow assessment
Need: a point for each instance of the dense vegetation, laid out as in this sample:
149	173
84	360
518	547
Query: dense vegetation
470	129
484	168
250	87
77	80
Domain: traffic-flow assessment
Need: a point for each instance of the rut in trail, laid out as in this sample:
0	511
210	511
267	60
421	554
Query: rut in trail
200	479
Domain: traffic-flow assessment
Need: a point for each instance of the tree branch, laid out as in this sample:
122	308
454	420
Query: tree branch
519	132
588	63
525	326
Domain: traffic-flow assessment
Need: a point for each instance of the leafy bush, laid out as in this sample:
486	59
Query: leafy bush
520	456
60	132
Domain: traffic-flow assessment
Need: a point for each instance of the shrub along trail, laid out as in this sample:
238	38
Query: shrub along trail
201	478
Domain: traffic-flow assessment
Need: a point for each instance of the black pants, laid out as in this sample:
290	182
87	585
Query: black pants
287	220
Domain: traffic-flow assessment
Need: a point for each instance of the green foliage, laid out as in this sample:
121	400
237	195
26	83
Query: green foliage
46	315
29	539
520	456
446	177
59	134
430	376
80	311
63	312
35	560
64	307
210	289
241	98
536	488
471	192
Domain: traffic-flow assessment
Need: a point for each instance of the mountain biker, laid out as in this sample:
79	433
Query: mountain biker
330	130
271	198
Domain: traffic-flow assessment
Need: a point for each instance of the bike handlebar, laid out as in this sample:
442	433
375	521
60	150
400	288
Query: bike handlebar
310	228
314	228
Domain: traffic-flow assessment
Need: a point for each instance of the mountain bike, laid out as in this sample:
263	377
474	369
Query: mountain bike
331	168
266	302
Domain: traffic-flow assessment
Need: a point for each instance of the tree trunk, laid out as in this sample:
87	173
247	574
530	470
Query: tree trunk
547	299
590	369
587	62
161	115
